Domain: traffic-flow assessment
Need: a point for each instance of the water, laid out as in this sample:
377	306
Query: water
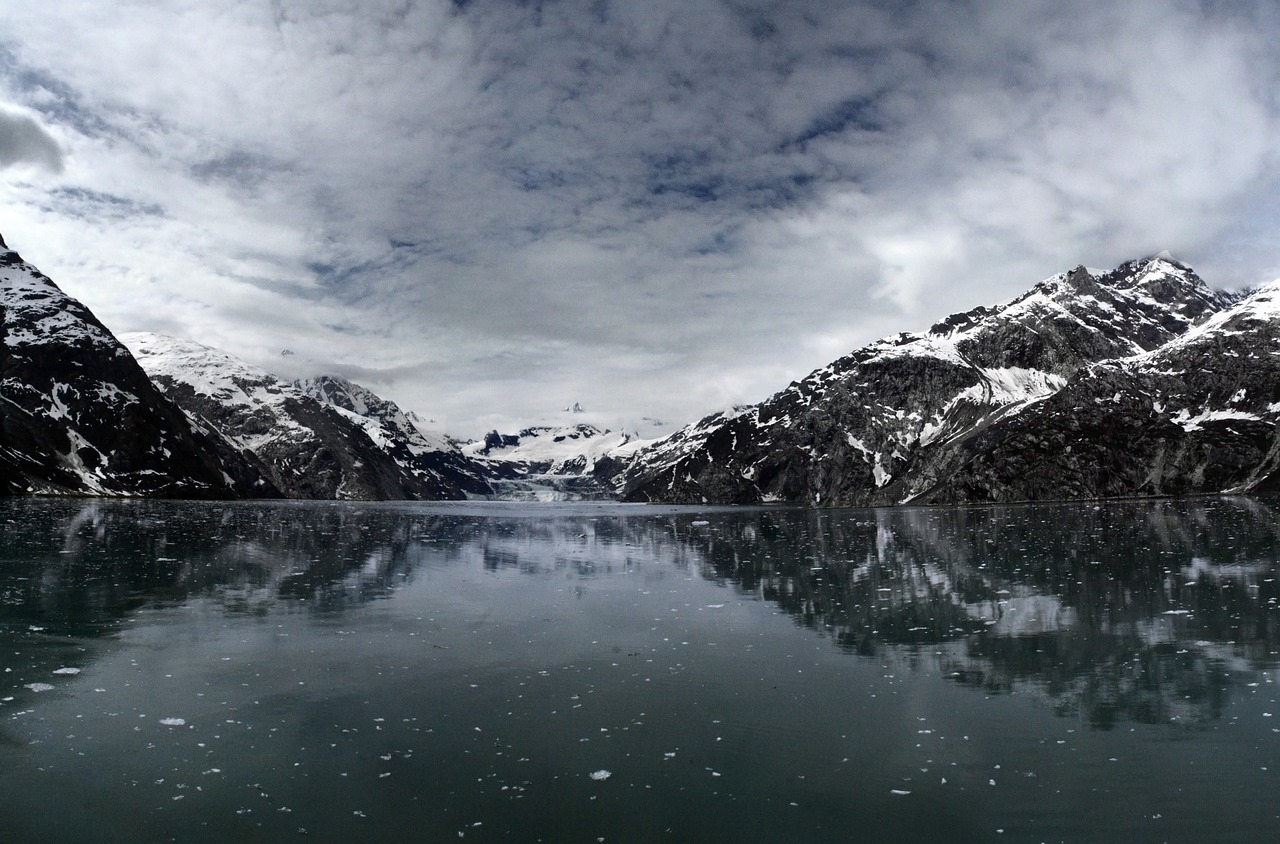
408	672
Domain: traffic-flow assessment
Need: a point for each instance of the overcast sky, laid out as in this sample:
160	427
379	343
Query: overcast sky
489	210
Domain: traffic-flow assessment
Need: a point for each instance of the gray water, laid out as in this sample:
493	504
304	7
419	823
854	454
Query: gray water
409	672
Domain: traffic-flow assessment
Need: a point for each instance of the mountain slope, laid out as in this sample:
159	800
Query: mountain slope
435	460
851	432
309	449
79	416
1197	415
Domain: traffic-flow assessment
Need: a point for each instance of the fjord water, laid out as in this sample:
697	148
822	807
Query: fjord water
262	671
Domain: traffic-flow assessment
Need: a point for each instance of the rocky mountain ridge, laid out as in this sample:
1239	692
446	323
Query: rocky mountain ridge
1135	381
326	438
78	416
964	411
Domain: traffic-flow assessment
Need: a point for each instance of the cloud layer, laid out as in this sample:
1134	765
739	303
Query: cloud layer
491	210
23	141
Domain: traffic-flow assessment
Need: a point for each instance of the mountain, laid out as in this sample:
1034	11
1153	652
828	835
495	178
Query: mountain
1135	381
308	447
434	459
1199	414
1000	403
78	416
555	462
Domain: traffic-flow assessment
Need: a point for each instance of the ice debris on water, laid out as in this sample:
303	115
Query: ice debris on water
173	722
899	792
601	774
39	687
67	671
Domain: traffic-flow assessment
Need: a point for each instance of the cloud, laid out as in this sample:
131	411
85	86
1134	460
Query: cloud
24	141
655	208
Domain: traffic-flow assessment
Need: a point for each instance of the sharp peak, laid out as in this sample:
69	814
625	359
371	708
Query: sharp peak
1167	257
1136	270
1164	256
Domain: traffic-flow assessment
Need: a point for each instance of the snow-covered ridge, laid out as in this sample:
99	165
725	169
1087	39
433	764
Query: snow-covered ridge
224	379
365	406
321	438
39	313
857	429
77	414
1261	306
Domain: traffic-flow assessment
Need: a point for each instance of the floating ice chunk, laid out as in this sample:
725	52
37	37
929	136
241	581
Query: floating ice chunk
173	722
714	606
700	523
899	792
601	774
39	687
67	671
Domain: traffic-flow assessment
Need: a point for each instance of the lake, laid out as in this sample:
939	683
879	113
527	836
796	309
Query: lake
602	672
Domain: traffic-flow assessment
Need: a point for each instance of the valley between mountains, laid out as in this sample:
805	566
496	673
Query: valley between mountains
1136	381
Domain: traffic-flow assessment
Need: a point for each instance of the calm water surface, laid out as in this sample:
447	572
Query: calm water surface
563	673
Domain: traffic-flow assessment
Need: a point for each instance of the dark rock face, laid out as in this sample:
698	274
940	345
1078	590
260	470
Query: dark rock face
308	448
435	461
78	416
1197	415
1011	402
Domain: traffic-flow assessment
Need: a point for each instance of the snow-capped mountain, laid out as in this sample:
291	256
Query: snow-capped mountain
1199	414
913	416
78	415
433	458
1135	381
309	448
555	462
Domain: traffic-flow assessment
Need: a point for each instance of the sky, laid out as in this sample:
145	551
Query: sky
487	211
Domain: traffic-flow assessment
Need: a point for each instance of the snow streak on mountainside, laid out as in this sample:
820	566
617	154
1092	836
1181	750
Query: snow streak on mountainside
893	421
79	416
308	448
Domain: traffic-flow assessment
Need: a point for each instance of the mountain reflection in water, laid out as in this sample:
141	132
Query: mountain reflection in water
1151	612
